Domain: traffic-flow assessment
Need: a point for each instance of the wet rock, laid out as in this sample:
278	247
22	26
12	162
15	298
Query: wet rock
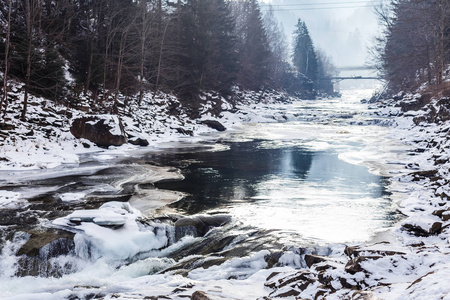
320	293
40	238
324	278
185	131
355	251
443	214
214	125
354	265
435	228
185	266
103	132
411	102
199	295
273	258
300	277
7	127
138	142
43	245
314	259
198	225
289	293
222	243
424	174
363	295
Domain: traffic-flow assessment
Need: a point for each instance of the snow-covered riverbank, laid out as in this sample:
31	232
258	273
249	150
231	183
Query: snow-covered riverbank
410	261
45	141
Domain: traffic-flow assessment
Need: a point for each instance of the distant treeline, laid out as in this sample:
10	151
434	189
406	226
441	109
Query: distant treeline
415	46
113	47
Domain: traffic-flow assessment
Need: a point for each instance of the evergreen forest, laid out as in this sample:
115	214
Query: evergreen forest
106	48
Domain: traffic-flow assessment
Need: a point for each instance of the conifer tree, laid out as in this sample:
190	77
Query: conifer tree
304	56
278	57
208	57
253	46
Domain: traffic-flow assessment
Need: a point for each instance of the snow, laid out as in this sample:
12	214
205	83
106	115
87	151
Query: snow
120	244
68	197
11	200
419	272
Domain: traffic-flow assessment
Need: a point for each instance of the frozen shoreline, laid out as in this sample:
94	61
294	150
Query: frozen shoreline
415	266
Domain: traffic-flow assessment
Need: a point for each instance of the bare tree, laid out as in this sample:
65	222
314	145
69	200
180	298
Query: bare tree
414	45
5	71
144	32
31	12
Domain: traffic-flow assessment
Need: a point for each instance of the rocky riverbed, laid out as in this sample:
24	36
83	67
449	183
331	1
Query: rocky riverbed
67	233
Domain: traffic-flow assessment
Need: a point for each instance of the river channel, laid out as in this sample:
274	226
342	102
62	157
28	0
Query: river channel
319	175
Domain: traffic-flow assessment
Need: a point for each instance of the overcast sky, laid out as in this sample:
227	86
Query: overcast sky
344	29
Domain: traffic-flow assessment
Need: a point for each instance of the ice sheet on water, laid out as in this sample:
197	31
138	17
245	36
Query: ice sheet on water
95	241
69	197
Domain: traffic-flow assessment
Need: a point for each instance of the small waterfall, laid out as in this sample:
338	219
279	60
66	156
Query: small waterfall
8	260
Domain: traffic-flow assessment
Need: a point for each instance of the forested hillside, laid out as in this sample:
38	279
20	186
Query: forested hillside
414	49
105	48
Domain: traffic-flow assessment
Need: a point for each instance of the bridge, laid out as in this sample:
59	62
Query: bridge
355	77
340	78
355	68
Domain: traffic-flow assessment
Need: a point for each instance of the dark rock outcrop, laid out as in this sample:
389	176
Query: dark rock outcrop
311	259
199	295
138	142
354	265
214	125
416	230
101	131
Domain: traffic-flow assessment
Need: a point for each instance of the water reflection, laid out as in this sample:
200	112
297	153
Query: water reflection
334	202
290	189
214	179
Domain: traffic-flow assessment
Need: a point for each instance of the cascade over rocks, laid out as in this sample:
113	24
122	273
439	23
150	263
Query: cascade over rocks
36	253
198	225
103	130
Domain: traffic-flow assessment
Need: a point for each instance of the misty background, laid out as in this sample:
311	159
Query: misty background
343	29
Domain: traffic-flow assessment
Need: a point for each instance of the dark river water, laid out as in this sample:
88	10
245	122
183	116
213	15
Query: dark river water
285	188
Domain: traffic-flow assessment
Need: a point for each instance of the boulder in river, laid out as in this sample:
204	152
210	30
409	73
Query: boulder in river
214	125
138	141
103	130
198	225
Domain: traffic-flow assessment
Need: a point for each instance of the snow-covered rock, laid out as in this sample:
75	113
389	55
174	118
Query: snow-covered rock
102	130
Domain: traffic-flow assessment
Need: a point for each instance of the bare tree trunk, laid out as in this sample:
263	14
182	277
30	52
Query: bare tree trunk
5	72
160	58
120	62
91	55
143	40
122	45
29	24
178	36
441	44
